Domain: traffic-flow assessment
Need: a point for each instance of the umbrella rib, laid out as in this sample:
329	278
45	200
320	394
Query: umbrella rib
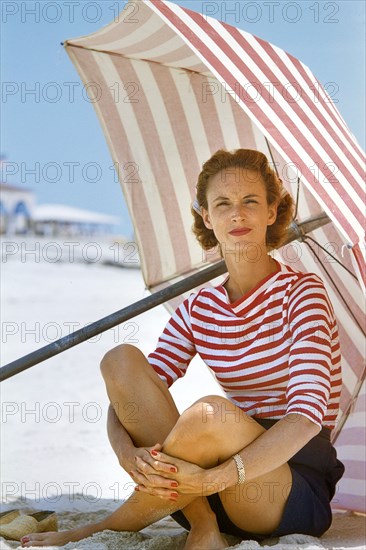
331	255
334	284
297	198
270	152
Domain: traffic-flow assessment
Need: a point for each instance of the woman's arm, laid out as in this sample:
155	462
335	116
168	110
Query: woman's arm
175	348
269	451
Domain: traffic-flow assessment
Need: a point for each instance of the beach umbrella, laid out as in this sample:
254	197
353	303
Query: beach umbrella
170	87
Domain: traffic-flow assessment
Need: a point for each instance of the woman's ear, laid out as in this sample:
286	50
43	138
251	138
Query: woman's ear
272	213
206	218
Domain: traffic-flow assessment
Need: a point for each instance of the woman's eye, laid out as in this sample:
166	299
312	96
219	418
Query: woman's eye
248	201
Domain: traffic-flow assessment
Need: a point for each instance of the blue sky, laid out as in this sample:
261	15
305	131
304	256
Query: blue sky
52	139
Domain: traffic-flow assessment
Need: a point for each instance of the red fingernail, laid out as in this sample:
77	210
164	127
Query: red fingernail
174	484
136	488
154	453
173	470
25	539
174	495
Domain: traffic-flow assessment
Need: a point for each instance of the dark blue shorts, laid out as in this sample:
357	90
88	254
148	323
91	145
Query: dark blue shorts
315	472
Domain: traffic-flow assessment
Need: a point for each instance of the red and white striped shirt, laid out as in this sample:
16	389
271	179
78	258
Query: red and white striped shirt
275	351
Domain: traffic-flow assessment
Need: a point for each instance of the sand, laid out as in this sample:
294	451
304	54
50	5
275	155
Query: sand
348	531
55	452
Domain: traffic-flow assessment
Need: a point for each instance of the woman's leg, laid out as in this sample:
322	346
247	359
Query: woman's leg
219	430
134	387
207	433
142	414
140	399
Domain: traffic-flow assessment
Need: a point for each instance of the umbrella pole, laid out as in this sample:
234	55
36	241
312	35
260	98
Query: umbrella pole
296	232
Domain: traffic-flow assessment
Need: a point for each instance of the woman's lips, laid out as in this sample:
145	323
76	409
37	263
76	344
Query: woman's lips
243	231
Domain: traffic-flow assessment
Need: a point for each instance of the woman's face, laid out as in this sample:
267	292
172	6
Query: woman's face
237	208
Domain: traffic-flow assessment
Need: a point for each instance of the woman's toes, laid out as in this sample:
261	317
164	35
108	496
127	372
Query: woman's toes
29	540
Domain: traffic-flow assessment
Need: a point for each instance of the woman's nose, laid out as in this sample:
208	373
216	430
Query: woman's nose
237	212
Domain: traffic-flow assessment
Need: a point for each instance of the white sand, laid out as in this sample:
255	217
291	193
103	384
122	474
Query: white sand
348	531
55	453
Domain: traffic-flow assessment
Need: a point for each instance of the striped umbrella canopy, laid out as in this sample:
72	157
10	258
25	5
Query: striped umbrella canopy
170	87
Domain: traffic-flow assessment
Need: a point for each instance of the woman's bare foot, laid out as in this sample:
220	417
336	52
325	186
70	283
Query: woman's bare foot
201	540
61	538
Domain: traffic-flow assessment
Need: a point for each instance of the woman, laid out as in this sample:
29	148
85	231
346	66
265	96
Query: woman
259	462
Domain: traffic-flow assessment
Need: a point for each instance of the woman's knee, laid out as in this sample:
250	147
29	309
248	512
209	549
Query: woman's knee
206	413
199	426
121	358
217	416
215	409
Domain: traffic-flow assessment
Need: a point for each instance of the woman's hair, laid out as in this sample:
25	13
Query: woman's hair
249	160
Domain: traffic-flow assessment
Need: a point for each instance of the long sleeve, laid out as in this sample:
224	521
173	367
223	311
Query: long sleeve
175	348
312	328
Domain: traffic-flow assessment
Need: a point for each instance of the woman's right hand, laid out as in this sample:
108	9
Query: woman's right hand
128	461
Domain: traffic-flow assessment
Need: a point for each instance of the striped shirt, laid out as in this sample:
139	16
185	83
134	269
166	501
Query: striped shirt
275	351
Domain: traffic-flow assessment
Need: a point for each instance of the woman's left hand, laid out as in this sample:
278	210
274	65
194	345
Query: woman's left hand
167	477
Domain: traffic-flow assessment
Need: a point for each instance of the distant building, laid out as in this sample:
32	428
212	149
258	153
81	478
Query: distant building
19	215
62	220
16	207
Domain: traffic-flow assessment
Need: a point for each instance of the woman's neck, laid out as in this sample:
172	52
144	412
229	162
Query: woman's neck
244	275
